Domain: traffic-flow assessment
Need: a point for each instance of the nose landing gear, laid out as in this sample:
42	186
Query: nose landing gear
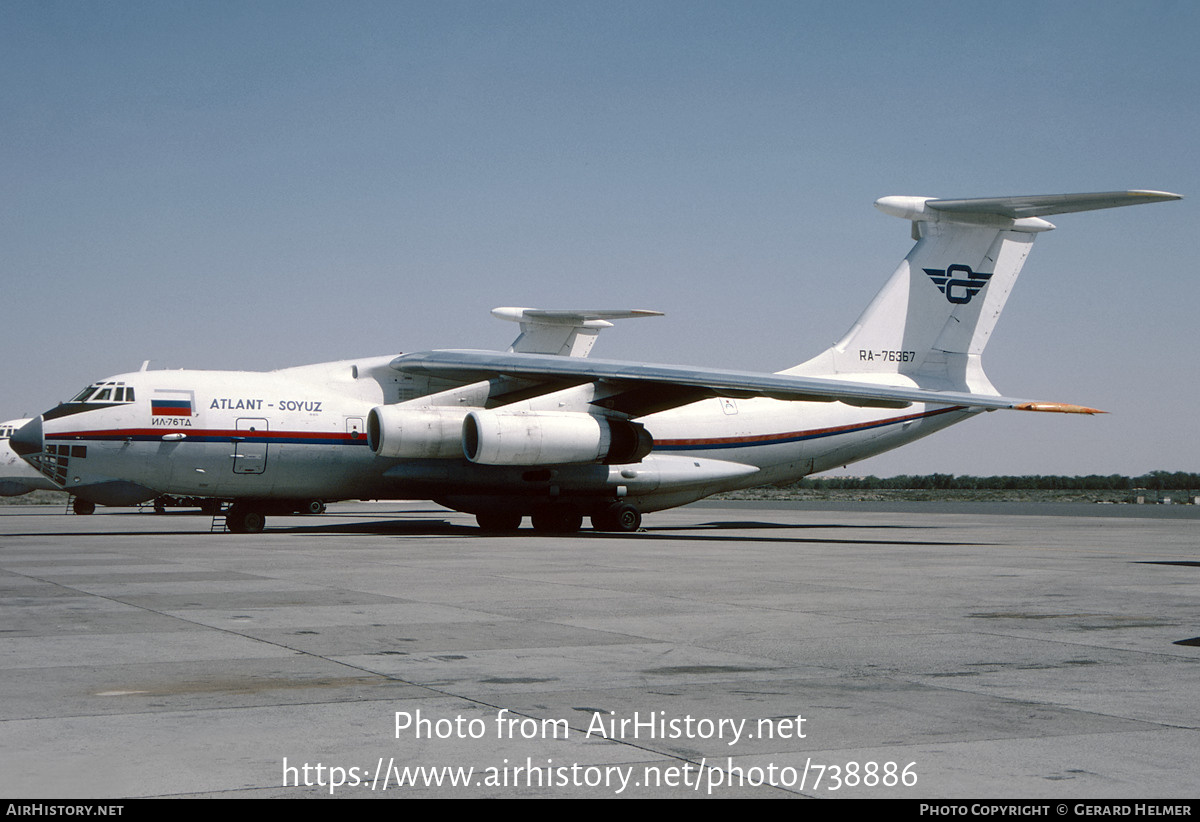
244	519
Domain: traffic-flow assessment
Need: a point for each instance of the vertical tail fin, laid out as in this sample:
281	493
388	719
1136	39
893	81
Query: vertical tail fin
929	324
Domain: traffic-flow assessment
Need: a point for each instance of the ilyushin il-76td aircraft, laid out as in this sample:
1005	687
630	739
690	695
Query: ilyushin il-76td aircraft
17	476
542	430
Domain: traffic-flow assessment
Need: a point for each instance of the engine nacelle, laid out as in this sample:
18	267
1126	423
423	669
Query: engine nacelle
415	433
552	438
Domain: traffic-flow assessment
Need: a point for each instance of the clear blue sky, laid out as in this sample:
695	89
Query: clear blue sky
257	185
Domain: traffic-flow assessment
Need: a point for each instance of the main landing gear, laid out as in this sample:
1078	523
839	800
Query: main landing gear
620	517
207	505
556	520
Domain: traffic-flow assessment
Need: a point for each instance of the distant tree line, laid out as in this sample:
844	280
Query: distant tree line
1154	481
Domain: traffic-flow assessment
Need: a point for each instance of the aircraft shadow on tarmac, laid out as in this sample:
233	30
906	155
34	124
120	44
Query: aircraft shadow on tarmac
710	531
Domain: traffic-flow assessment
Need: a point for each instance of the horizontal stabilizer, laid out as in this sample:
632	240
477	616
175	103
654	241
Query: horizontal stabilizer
1020	213
1046	204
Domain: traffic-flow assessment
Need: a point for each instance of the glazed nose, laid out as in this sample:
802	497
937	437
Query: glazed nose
27	439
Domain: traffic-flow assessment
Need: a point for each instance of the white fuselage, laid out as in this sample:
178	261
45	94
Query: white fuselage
300	434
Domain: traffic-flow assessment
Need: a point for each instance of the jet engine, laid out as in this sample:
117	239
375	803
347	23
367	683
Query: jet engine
552	438
415	433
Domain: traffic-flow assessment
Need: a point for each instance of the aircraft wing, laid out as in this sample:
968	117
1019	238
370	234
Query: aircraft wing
563	332
644	388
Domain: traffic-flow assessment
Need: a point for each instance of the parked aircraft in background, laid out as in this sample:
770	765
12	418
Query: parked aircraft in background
16	475
544	431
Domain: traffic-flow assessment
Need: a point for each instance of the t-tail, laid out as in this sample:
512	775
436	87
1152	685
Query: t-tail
929	324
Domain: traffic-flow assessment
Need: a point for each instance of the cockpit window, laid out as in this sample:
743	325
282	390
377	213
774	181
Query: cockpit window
107	393
6	432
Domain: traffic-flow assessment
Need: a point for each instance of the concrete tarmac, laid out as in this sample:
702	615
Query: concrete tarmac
730	649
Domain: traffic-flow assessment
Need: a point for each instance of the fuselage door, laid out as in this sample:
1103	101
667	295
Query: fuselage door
250	446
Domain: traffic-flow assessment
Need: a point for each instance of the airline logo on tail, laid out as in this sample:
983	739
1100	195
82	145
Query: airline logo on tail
951	283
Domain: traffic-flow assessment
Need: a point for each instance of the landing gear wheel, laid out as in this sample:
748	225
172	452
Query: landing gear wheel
83	507
621	517
314	506
556	521
160	506
499	521
242	520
